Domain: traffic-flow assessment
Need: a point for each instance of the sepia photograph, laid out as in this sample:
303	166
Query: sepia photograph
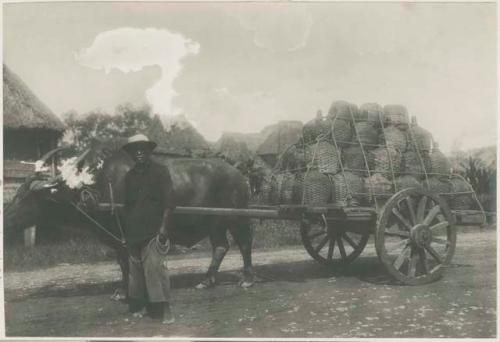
256	170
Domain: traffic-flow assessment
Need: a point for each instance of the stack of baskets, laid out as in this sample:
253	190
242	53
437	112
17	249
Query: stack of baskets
361	156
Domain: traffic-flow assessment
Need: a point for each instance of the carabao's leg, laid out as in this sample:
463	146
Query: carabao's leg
242	235
122	291
220	246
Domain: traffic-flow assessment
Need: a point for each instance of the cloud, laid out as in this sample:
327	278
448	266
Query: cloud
131	49
279	27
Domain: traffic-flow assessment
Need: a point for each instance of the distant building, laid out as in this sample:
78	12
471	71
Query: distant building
30	129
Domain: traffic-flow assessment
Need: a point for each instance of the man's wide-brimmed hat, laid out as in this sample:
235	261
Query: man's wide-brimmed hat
139	140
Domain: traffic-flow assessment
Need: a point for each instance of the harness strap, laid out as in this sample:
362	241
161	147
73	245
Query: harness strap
113	212
100	226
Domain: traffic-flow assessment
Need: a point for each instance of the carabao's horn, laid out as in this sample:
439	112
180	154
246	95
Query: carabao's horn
81	159
45	158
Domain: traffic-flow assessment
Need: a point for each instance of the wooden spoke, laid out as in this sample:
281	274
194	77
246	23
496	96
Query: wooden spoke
401	258
431	215
441	217
412	268
439	225
440	241
411	209
349	241
341	248
315	235
434	254
401	218
423	260
398	244
331	246
321	244
422	204
400	233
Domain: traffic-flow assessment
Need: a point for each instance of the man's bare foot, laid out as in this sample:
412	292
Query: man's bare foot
167	316
168	321
139	314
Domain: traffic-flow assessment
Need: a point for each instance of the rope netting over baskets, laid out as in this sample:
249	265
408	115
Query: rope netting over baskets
363	156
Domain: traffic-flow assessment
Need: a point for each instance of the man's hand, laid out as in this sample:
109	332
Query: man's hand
163	236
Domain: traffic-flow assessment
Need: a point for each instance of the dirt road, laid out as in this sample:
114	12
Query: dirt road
294	297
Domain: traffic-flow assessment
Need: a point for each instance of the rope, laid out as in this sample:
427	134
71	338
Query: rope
100	226
388	154
117	217
161	249
364	154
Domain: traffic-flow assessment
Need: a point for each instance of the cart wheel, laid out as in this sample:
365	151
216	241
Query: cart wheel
330	244
415	237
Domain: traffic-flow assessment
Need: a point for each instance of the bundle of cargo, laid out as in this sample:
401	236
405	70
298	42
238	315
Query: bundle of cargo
348	189
316	128
396	115
372	113
406	181
386	161
440	165
355	160
328	157
377	186
420	138
462	198
316	188
361	155
415	163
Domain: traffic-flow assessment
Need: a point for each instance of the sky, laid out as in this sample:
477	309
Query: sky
241	66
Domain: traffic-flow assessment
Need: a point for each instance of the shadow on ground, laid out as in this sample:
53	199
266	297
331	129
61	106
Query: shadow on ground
365	269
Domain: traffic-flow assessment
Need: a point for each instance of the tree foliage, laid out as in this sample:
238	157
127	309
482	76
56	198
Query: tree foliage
127	120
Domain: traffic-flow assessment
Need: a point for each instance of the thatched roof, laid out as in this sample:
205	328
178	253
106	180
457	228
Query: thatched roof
232	149
22	109
283	134
251	140
185	136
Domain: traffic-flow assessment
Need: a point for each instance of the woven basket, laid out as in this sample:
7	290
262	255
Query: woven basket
343	110
412	165
382	163
316	188
354	161
367	133
396	115
377	185
393	137
373	113
315	128
436	185
439	162
463	201
407	181
348	190
422	138
341	131
328	158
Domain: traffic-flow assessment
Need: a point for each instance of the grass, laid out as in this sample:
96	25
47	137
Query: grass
84	248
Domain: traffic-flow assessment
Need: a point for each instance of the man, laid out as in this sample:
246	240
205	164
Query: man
147	213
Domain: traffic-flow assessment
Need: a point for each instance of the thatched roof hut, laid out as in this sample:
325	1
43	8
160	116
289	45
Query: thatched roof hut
283	134
30	127
233	149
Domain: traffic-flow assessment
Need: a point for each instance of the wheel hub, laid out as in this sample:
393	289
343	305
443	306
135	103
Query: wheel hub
421	235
